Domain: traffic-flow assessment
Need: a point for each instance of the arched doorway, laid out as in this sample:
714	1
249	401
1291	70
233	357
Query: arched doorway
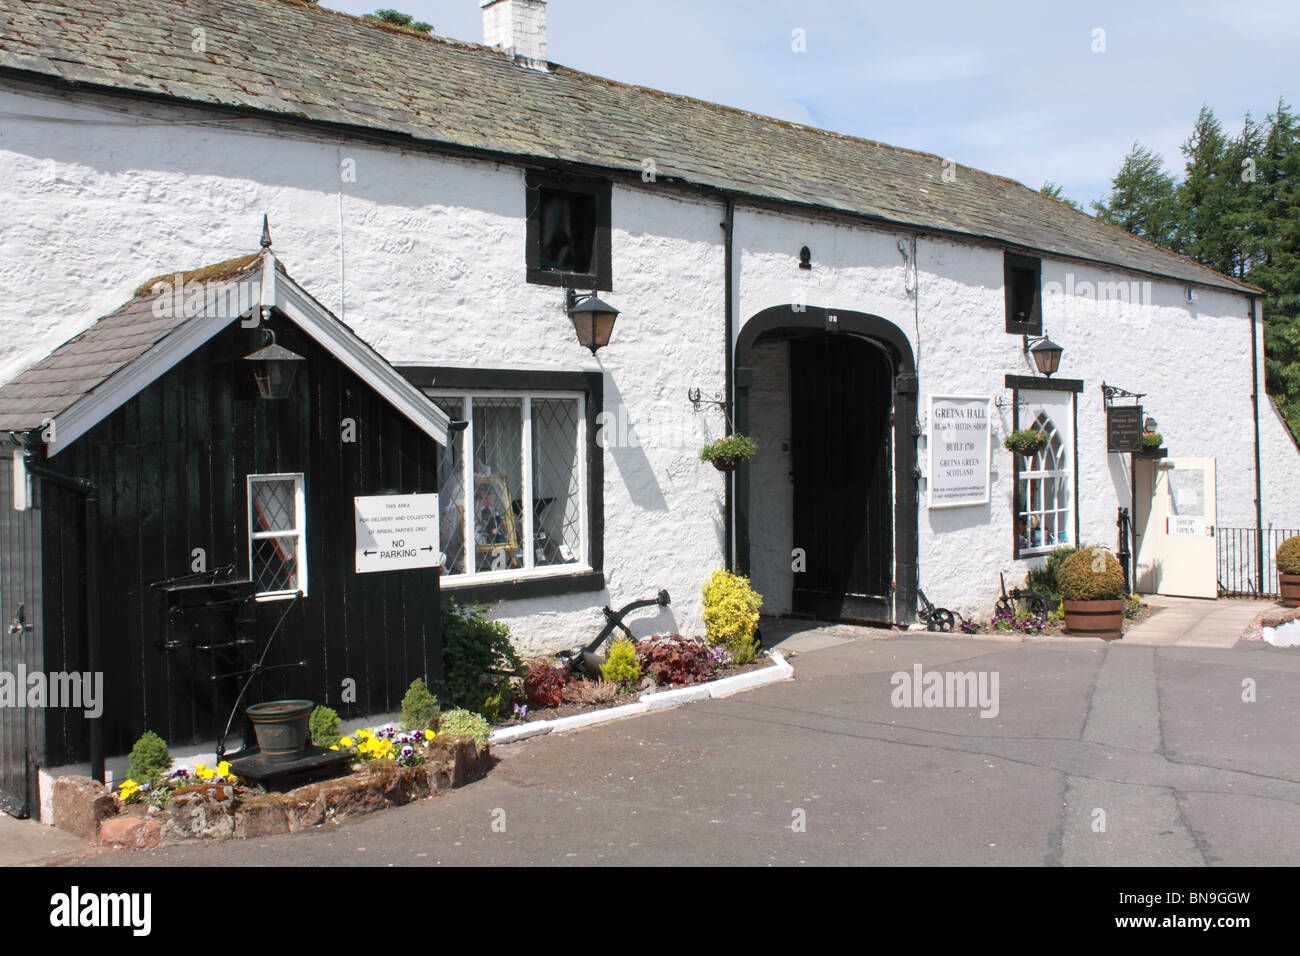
826	512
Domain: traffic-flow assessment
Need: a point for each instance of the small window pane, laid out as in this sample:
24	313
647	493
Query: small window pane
275	564
567	229
451	491
557	529
273	504
498	470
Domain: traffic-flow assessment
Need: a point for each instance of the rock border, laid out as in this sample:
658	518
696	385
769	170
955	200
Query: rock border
215	812
651	701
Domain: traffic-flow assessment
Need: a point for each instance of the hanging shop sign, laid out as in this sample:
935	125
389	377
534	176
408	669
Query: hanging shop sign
1124	428
396	532
959	451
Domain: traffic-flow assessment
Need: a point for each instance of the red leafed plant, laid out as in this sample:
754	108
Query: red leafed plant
673	659
544	685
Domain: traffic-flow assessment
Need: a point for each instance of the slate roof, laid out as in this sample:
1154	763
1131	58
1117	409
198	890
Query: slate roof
298	60
80	365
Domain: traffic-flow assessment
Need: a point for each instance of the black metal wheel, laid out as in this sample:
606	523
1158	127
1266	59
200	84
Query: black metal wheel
942	620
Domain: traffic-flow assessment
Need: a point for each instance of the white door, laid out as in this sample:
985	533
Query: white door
1176	551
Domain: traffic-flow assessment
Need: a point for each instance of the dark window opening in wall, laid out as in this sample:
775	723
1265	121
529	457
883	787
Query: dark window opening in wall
567	222
1022	280
568	232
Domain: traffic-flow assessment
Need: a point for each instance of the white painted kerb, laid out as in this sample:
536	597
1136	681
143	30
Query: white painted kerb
662	700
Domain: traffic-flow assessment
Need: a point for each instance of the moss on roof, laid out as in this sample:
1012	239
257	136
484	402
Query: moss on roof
216	272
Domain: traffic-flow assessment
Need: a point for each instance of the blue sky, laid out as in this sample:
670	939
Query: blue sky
1011	88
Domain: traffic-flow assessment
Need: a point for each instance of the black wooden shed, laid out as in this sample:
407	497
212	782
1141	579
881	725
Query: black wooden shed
172	518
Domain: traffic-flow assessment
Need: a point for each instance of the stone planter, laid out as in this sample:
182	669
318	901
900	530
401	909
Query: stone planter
281	727
1104	619
1290	589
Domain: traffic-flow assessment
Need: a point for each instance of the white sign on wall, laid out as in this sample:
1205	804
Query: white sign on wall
396	532
959	451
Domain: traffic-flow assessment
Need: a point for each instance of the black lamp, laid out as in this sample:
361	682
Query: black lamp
593	319
1150	425
274	368
1046	353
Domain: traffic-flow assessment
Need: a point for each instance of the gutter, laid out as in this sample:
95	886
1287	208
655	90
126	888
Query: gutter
729	376
1254	401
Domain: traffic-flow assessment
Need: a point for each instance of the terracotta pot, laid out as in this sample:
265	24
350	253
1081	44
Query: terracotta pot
1290	589
1104	619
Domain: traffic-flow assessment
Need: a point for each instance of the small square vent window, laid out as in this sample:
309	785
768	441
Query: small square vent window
1022	279
568	233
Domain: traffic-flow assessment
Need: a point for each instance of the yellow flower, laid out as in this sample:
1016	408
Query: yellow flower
346	742
223	768
428	735
334	746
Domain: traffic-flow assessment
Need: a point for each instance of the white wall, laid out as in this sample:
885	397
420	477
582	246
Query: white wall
430	252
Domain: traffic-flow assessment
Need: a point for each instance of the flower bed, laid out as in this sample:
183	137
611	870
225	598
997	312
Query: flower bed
222	808
1022	622
666	661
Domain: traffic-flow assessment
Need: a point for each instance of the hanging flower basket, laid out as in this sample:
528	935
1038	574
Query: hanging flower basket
726	454
1152	440
1025	442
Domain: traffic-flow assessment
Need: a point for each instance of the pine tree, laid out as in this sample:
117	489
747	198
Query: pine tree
1202	198
1142	198
1276	258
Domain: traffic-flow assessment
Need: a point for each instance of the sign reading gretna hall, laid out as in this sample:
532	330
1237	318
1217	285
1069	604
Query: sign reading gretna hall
959	451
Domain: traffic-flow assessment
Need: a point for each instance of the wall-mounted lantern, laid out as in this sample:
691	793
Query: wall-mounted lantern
1046	353
593	319
274	367
1150	426
805	258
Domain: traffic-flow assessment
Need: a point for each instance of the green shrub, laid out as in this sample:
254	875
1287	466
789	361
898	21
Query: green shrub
477	656
743	652
150	758
324	726
461	721
1091	574
1288	556
494	705
419	707
1047	581
1152	440
622	667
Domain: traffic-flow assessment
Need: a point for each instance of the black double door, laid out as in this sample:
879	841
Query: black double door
840	455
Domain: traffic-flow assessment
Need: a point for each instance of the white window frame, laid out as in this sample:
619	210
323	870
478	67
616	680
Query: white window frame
299	533
472	575
1065	535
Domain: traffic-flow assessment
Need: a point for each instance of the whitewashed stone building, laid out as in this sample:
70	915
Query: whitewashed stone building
440	196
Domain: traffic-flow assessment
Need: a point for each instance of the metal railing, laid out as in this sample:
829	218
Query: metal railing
1238	560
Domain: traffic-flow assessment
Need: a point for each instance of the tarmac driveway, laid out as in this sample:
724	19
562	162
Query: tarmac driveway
1098	755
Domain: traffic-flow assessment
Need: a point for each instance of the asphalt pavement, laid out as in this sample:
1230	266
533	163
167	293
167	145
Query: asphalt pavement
1099	754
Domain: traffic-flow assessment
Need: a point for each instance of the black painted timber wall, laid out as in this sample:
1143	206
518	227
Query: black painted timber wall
172	465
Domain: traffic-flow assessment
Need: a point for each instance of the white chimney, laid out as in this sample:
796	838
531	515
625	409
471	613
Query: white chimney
518	27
